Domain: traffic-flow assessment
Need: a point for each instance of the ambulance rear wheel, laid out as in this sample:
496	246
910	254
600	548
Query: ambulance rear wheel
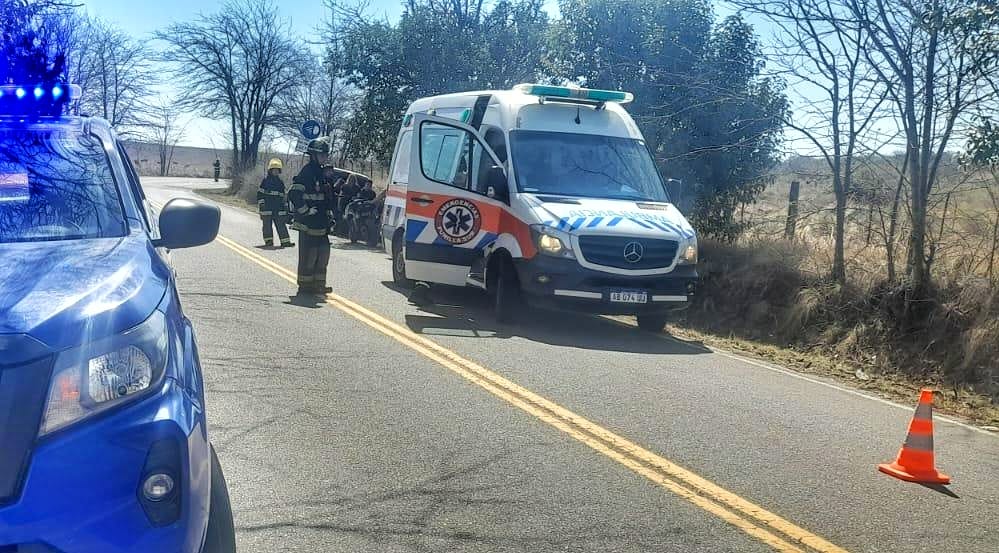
399	265
507	297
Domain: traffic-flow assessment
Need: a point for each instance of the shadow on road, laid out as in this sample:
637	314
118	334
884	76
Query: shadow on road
467	313
341	244
941	489
310	302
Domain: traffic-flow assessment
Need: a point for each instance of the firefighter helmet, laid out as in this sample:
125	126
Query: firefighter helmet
319	146
274	163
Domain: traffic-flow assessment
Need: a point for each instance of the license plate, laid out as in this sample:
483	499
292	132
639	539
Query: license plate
629	297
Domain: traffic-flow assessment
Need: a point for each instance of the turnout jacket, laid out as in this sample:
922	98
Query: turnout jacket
270	197
311	201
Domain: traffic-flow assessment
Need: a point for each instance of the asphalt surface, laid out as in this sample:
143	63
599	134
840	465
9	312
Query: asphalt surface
336	437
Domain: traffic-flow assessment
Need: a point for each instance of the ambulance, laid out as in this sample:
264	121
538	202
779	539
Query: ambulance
541	196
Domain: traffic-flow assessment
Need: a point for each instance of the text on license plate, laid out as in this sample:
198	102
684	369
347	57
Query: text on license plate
629	297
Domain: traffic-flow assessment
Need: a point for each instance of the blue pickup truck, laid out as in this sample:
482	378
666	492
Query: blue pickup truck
103	440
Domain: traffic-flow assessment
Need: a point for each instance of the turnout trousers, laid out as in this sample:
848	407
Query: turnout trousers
269	222
313	258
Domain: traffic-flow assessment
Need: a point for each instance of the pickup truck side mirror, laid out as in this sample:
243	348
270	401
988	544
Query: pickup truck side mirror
496	184
187	223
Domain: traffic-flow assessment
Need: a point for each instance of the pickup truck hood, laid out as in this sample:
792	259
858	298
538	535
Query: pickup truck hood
601	216
62	293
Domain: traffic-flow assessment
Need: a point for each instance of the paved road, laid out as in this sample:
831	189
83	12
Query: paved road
366	424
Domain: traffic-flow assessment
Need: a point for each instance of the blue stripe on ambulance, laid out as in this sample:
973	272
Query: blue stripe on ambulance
487	238
414	228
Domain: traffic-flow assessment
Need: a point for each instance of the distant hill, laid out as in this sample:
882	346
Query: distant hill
187	161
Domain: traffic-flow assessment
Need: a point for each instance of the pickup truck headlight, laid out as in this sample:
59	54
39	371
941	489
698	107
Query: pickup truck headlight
688	253
106	373
552	241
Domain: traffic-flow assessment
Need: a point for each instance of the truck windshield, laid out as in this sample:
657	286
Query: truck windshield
585	165
56	185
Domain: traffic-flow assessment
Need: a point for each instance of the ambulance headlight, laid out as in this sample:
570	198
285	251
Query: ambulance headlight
103	374
551	244
552	241
688	253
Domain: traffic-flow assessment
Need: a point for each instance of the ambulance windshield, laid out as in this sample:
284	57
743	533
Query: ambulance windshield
585	165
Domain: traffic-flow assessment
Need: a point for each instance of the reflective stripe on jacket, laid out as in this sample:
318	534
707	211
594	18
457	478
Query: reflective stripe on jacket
270	197
306	194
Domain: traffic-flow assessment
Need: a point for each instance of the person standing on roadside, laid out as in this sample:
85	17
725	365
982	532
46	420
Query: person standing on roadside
273	206
312	204
217	166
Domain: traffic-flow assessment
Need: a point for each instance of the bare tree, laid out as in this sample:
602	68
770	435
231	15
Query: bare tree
113	71
33	39
836	97
934	70
237	64
165	130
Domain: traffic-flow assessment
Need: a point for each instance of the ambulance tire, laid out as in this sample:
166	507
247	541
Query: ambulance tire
654	323
399	264
507	297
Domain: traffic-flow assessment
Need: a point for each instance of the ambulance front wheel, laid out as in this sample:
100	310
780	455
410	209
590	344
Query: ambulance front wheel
508	297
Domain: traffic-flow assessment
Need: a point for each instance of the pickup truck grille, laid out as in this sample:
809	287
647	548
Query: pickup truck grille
22	401
620	252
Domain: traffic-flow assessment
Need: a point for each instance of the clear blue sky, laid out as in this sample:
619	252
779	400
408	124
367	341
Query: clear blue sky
156	14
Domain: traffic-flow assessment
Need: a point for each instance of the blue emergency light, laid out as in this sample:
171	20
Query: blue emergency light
575	93
38	100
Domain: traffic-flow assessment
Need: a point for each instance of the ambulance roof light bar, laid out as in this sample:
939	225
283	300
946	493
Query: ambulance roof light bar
575	93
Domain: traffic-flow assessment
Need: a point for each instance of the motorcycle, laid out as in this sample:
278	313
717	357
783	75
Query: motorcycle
362	221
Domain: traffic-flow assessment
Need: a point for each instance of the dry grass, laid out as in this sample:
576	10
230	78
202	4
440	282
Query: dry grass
766	290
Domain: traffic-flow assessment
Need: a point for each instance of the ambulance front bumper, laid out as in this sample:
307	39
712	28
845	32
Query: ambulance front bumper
565	284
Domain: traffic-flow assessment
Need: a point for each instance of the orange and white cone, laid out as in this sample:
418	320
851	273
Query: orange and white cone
915	460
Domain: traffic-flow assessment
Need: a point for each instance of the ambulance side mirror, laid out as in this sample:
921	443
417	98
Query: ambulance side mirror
496	184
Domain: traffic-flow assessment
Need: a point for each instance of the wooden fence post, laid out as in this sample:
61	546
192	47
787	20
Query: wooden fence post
792	210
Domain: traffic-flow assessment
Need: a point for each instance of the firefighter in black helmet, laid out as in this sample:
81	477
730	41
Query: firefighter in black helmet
273	206
312	204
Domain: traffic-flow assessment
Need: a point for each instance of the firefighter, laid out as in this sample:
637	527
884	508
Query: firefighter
312	202
273	206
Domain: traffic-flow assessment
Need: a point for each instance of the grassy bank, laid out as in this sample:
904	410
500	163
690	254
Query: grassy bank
761	297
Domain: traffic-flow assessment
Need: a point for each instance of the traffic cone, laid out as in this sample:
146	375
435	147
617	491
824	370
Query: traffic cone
915	459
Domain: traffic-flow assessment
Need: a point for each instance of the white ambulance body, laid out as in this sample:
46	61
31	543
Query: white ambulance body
540	195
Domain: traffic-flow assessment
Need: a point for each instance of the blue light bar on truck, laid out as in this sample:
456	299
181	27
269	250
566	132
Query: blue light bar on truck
39	100
574	93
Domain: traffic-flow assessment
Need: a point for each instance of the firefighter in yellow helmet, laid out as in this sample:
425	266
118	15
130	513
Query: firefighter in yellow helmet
273	206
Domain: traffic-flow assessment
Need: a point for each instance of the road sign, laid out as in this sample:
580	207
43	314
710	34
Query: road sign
311	129
301	145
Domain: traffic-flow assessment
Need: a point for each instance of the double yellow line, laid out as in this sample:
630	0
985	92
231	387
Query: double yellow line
752	519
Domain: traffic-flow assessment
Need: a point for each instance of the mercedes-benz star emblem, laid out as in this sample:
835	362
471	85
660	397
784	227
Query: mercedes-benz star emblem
633	252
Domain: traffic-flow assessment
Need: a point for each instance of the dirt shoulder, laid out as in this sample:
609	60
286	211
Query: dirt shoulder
963	404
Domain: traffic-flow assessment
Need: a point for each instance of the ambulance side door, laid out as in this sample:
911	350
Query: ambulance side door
445	203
